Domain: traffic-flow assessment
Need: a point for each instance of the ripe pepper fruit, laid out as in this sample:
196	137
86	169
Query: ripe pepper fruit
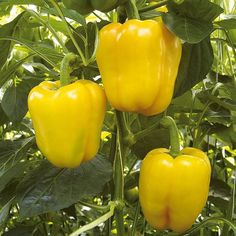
67	120
138	62
87	6
172	192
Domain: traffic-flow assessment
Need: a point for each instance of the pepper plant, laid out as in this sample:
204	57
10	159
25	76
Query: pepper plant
45	42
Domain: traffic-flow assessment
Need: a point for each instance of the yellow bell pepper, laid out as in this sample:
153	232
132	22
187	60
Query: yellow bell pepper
172	192
138	62
67	120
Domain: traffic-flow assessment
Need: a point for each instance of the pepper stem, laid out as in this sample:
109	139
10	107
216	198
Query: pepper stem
69	63
169	123
132	10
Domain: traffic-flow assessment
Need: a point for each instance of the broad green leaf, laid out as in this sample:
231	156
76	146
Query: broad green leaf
12	172
222	117
195	63
14	101
219	202
227	23
11	154
187	102
48	188
220	189
158	138
12	151
226	135
191	20
189	30
4	212
3	116
8	193
225	103
196	9
228	91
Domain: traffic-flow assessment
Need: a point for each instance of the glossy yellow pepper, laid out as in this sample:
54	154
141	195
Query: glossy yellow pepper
172	192
138	62
67	120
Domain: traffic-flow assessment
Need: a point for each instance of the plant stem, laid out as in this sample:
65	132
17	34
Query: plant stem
96	222
68	64
169	123
119	173
210	221
132	10
55	4
137	210
197	128
93	206
154	6
126	133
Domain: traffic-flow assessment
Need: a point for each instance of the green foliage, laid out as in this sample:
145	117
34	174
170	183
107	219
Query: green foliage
14	101
195	63
191	20
48	188
37	198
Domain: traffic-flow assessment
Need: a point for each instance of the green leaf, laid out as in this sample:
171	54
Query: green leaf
71	14
48	188
196	9
185	103
158	138
5	3
8	72
191	20
12	151
14	101
4	212
225	103
11	155
227	23
7	30
57	25
227	91
3	116
226	135
12	172
21	230
220	194
220	189
9	193
195	63
222	117
44	51
150	14
189	30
